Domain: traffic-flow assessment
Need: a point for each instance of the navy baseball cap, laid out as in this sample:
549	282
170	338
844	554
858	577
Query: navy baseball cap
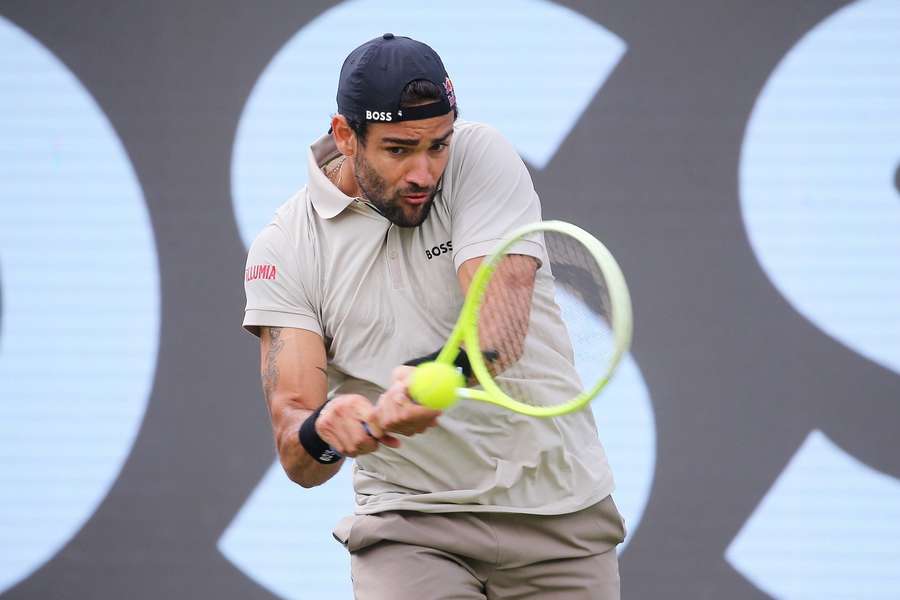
374	75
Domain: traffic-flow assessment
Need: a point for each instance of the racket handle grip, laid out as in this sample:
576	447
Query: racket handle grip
366	427
461	361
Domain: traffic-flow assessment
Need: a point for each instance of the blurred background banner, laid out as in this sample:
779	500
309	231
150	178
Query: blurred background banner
741	159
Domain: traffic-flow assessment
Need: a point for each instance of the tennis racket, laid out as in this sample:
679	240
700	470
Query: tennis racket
573	326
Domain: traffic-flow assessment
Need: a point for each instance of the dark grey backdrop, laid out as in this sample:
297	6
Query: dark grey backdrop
737	377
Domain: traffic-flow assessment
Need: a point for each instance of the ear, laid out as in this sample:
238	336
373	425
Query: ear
343	136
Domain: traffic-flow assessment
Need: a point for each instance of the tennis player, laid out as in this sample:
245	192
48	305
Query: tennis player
365	270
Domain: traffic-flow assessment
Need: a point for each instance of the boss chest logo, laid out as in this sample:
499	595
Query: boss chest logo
442	248
254	272
378	115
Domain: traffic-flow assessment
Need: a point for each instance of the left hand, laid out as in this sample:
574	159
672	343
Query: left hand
397	413
348	424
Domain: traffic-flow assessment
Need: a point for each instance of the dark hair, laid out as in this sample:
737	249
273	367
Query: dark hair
416	92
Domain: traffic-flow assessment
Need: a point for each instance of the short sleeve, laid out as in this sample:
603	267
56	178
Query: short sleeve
492	195
276	296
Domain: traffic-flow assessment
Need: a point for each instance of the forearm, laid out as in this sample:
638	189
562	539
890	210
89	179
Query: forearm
502	326
505	312
297	463
294	383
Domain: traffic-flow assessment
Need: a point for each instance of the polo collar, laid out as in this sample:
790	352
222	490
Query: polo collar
326	198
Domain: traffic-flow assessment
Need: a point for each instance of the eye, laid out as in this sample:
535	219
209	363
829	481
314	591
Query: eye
439	147
397	150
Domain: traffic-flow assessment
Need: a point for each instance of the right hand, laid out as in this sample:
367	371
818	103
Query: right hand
398	413
343	421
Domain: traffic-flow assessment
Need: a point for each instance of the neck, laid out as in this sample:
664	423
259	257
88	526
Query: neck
344	178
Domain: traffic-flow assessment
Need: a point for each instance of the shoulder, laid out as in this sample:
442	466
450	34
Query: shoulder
480	147
471	135
291	218
289	227
479	154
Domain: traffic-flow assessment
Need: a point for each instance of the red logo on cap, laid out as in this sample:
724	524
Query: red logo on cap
448	87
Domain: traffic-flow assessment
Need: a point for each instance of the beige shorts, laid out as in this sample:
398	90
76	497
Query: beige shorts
407	555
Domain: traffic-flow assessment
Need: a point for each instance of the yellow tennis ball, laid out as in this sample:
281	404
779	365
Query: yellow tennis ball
434	385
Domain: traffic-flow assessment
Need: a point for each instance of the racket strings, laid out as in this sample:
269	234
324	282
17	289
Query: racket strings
574	266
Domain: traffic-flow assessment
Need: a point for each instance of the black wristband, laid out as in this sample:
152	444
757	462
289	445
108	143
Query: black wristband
313	444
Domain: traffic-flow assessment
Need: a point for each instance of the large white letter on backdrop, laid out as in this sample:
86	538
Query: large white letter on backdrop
80	310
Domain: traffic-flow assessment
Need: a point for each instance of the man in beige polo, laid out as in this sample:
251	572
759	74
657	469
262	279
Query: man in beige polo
365	269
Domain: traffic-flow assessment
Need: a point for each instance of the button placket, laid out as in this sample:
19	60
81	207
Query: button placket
394	266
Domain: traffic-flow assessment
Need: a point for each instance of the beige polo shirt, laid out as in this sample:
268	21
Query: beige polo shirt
380	295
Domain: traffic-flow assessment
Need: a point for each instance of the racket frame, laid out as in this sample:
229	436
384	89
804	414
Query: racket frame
465	332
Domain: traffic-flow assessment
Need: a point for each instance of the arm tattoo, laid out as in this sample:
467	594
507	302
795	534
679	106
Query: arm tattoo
270	373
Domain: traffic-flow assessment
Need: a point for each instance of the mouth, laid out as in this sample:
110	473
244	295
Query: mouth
416	199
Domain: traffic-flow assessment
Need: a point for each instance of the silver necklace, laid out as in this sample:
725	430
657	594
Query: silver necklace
334	174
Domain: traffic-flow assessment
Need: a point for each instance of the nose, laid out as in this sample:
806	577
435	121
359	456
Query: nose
419	173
